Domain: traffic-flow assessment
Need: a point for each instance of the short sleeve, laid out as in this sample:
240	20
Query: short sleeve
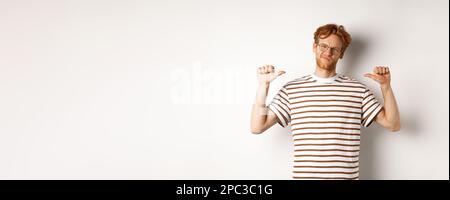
370	108
281	107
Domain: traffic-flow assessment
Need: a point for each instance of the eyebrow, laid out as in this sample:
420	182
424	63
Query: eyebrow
330	45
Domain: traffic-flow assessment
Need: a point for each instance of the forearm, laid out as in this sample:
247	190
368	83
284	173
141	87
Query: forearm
390	107
259	110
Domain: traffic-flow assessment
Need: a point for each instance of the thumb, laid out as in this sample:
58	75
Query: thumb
280	73
372	76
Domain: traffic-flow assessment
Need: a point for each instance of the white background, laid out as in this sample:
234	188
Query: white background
163	89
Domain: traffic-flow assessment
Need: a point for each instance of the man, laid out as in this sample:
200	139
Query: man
325	110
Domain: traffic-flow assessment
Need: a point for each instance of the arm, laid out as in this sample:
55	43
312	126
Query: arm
263	118
389	116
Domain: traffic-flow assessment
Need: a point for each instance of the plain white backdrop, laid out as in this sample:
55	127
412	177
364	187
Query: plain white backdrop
163	89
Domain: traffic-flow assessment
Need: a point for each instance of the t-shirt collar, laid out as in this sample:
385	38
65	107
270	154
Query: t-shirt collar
324	80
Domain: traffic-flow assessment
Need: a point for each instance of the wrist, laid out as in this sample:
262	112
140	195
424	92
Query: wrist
263	84
385	87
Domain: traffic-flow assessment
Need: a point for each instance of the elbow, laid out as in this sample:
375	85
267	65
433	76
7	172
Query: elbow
395	127
256	131
256	128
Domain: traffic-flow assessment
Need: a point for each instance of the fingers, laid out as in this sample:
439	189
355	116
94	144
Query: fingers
270	69
381	70
266	69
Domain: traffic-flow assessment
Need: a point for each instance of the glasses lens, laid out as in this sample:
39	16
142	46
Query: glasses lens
335	50
323	47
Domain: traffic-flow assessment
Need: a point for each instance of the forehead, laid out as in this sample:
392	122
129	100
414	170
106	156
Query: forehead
332	40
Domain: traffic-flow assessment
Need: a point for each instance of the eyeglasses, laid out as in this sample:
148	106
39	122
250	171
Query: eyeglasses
324	47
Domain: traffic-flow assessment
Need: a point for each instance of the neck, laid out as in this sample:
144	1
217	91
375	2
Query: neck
325	73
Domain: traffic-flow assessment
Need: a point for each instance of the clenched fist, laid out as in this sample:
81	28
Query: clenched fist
267	73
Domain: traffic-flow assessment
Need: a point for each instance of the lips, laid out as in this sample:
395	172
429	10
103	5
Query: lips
326	59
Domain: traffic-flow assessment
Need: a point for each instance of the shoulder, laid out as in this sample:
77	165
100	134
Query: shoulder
299	81
350	81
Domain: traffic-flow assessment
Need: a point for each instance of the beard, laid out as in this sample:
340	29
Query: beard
326	64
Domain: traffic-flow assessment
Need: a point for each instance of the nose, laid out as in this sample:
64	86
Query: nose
328	52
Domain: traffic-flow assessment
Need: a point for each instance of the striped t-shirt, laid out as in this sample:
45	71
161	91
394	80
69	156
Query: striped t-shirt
326	116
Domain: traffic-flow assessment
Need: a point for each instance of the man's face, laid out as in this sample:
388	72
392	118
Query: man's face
328	51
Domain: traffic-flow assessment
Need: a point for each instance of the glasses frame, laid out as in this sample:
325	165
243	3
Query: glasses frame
334	50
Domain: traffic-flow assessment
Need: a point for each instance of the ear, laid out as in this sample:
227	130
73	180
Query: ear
314	47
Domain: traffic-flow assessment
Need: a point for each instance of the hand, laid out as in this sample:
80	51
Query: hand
267	73
381	75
